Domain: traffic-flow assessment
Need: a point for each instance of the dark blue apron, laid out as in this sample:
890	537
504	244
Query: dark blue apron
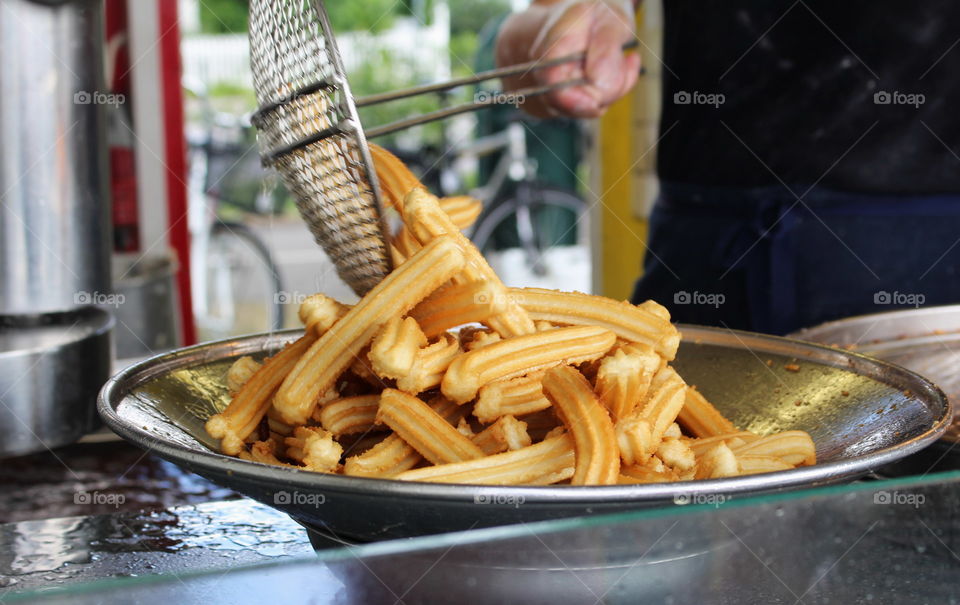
760	260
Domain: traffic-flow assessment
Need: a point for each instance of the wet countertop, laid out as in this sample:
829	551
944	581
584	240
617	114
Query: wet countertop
103	508
105	522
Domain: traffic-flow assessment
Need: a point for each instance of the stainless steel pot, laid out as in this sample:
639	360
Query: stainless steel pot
54	219
51	368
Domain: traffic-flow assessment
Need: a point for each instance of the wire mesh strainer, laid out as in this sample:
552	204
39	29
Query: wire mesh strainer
310	132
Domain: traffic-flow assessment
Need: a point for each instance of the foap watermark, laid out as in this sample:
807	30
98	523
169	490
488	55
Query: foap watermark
883	97
899	498
298	498
97	498
498	299
902	299
95	97
98	298
683	97
499	499
682	499
712	299
499	98
289	297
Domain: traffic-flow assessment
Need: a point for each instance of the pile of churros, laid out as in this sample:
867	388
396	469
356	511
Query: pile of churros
441	373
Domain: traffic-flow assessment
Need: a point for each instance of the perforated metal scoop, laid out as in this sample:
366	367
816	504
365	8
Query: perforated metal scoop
309	130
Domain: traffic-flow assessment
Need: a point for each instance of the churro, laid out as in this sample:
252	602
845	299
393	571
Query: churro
751	465
793	447
550	461
319	312
247	408
395	178
315	448
424	429
425	218
507	433
633	323
356	414
623	378
597	457
319	367
459	304
395	347
521	355
429	365
394	455
240	372
472	337
719	461
513	397
700	418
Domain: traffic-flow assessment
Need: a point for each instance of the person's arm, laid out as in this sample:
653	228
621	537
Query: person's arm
553	28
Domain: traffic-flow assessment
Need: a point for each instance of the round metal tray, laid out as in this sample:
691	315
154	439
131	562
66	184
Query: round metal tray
925	340
862	414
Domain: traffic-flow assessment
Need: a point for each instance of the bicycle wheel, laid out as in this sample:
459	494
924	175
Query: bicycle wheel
241	286
540	236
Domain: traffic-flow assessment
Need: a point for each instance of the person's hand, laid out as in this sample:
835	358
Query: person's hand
550	29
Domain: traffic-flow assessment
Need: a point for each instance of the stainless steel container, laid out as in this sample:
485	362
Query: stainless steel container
55	347
54	219
51	368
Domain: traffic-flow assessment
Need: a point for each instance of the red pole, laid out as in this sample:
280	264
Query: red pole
176	159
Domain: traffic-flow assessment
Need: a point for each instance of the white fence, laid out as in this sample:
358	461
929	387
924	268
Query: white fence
210	59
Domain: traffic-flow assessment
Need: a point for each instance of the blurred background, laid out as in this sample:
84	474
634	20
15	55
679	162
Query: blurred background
578	194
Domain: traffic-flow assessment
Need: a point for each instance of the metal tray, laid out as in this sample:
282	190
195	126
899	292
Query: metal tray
925	340
862	413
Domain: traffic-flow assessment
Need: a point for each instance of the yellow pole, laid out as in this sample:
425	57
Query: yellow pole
627	181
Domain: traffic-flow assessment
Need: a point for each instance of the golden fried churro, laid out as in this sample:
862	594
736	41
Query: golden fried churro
319	367
513	397
319	312
463	210
350	414
700	418
752	465
241	417
624	377
315	448
633	323
793	447
676	454
652	471
426	220
394	455
701	445
667	391
240	372
597	458
424	429
718	461
395	178
395	347
472	337
634	440
430	364
549	461
507	433
459	304
263	452
521	355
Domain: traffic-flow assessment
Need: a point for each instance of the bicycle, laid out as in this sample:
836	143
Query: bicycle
235	281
